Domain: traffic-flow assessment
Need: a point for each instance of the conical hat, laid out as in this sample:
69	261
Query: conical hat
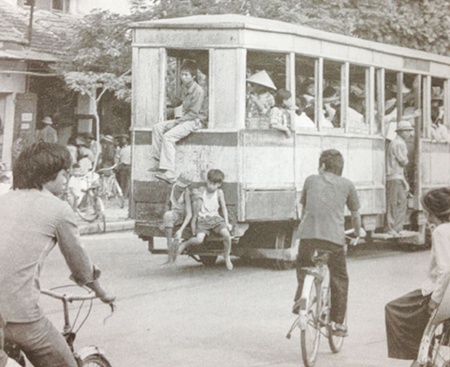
262	78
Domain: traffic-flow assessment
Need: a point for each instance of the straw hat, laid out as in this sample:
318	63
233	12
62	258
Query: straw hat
437	95
410	113
262	78
183	181
404	125
47	120
405	90
108	138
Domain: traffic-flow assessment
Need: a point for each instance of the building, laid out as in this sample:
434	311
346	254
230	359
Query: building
29	89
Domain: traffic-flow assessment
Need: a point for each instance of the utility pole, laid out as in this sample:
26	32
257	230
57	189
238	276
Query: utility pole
30	25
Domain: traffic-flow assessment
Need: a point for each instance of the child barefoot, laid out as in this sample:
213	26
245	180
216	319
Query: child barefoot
207	201
179	212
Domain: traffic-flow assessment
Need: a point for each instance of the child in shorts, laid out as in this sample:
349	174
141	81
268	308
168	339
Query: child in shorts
179	213
207	201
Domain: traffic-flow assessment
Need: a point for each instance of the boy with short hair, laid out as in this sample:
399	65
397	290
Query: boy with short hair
324	197
179	212
167	133
207	202
33	220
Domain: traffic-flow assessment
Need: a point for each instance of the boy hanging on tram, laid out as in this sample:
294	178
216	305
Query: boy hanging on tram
207	201
179	213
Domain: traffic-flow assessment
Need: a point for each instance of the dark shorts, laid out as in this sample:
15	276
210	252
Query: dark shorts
215	224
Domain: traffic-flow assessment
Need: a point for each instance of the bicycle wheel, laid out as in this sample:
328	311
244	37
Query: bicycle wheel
90	207
439	350
310	331
94	360
335	342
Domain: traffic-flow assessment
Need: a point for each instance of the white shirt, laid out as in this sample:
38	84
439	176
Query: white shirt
439	269
125	155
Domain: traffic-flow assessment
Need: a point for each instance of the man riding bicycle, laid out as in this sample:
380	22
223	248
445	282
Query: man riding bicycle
33	220
323	200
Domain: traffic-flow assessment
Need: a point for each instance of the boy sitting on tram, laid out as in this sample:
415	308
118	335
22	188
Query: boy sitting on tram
207	201
167	133
179	212
407	316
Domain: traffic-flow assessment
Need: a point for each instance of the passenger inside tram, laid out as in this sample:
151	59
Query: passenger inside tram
439	131
302	120
355	111
331	105
306	90
259	95
280	114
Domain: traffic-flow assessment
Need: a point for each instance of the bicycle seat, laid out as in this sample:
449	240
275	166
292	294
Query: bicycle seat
321	257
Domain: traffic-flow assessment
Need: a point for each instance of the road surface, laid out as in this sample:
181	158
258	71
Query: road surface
192	315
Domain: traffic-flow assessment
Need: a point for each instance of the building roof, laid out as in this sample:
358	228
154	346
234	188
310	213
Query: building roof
50	30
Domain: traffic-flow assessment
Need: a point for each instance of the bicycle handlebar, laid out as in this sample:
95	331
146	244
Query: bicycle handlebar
69	297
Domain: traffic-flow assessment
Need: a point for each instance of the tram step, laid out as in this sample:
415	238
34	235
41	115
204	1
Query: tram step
401	236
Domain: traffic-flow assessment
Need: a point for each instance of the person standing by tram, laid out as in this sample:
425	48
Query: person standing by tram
167	133
396	185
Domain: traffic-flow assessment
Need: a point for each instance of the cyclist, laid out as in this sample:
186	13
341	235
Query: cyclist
323	200
407	316
33	220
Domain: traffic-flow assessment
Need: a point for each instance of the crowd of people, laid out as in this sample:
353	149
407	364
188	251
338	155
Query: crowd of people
89	154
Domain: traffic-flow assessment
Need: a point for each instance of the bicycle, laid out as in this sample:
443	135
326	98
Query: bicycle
434	350
90	356
86	201
314	309
109	186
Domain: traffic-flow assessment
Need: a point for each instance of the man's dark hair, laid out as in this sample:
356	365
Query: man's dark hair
281	96
333	161
191	66
437	202
38	164
216	176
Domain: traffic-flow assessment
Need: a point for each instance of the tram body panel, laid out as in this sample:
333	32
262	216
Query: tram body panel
435	164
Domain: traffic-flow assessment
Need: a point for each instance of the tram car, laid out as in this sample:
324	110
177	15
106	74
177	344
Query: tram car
373	86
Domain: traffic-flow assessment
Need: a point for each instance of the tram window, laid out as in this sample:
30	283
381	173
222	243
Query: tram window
331	95
175	59
438	124
408	87
305	92
357	113
266	73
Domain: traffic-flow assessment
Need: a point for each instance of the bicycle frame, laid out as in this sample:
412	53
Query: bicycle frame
67	332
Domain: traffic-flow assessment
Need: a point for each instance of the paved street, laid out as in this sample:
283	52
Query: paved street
191	315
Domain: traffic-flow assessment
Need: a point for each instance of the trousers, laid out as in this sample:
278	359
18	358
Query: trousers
396	205
406	318
43	345
165	135
337	266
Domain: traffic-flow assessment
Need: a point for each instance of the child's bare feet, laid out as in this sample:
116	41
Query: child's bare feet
181	247
228	262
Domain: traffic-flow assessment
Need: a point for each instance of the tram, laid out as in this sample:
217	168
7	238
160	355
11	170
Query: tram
375	86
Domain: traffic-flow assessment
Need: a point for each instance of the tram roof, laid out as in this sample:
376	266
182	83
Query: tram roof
237	21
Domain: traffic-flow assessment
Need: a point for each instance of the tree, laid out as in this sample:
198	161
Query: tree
99	59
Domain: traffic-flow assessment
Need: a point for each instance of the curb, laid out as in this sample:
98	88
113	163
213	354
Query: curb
97	227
